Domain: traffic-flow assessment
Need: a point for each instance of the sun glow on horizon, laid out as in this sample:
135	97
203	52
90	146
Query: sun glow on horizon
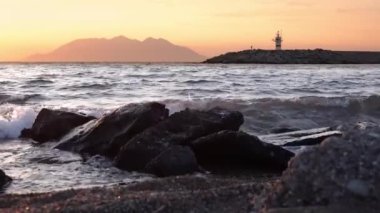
208	27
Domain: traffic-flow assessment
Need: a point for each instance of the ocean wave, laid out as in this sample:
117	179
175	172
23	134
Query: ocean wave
92	86
150	75
361	103
369	105
261	115
203	104
195	91
6	82
39	81
200	81
13	119
17	99
358	104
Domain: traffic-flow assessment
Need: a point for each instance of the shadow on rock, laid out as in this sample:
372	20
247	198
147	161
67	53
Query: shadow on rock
53	124
4	180
241	148
106	135
338	172
179	129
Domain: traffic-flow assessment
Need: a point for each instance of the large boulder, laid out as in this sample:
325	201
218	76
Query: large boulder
106	135
232	146
4	179
179	129
176	160
339	171
53	124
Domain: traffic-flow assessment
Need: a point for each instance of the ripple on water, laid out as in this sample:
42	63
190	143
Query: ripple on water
268	96
43	169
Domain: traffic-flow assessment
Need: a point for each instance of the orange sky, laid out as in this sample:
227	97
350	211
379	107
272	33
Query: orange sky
209	27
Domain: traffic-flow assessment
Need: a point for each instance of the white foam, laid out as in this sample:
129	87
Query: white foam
13	119
84	110
201	104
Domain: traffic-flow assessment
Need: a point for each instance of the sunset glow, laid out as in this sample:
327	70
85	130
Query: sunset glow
208	27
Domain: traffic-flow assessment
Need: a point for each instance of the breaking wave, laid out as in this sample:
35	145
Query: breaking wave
356	104
261	115
13	119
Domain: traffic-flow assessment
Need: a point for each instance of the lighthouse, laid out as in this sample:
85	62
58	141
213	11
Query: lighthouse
278	40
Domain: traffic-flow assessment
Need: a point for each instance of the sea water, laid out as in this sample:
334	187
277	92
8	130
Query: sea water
269	96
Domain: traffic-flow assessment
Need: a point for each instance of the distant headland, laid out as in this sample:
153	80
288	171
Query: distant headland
279	56
317	56
119	49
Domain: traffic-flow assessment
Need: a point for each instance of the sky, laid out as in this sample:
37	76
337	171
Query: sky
210	27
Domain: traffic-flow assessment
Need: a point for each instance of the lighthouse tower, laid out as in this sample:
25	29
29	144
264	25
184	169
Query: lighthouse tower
278	40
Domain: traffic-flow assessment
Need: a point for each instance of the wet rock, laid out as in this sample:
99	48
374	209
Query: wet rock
106	135
340	170
240	147
179	129
53	124
336	208
176	160
4	179
358	187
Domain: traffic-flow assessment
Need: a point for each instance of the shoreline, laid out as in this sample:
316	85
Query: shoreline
180	193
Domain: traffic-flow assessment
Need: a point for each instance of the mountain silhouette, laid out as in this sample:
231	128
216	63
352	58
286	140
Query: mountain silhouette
119	49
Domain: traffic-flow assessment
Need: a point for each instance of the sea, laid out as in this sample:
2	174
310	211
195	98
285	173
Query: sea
269	96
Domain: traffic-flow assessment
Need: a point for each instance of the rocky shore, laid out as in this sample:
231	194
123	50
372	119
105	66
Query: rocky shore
317	56
207	164
144	138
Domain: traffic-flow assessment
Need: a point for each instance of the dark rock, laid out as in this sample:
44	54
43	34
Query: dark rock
4	179
179	129
241	147
336	208
176	160
340	170
53	124
106	135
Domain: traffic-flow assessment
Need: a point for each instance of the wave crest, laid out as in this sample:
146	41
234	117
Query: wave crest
261	115
359	104
13	119
19	99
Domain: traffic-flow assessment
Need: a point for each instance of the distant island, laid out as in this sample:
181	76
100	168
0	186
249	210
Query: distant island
119	49
317	56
